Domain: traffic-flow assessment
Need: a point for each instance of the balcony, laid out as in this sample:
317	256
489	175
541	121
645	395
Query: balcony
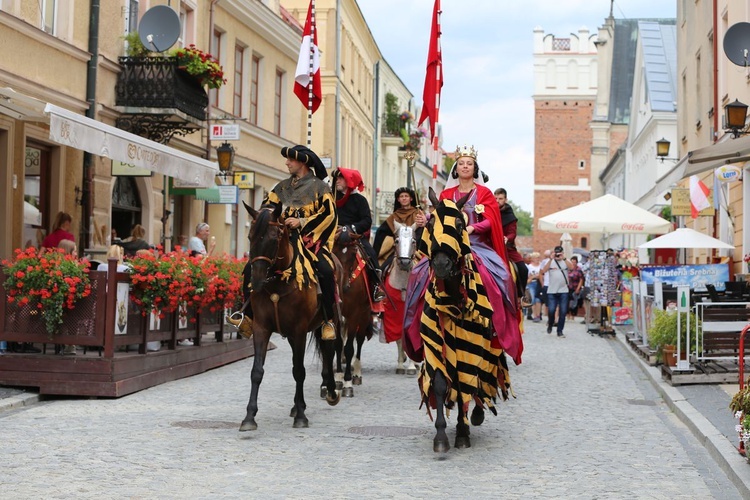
157	99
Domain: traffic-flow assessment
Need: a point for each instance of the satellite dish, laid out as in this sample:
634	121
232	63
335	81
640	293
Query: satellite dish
737	43
159	28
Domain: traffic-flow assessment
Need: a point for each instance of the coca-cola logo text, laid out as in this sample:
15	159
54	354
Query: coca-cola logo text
567	225
632	227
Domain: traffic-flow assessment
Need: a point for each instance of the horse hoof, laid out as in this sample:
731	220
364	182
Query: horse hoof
411	371
301	423
347	392
477	416
248	425
400	371
293	412
440	445
333	400
339	385
463	442
356	380
323	392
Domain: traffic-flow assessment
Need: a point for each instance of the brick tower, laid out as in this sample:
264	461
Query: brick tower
565	83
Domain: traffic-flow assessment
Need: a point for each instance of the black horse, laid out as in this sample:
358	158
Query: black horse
280	305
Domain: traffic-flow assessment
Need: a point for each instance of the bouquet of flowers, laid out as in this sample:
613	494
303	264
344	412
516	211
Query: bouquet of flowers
746	258
201	65
406	116
49	280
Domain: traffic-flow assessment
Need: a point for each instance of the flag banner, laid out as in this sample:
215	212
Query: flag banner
698	196
302	73
433	82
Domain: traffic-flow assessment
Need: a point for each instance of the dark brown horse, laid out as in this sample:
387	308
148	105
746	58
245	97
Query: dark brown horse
281	306
355	309
461	365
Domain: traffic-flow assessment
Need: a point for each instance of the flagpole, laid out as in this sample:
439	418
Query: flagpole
310	74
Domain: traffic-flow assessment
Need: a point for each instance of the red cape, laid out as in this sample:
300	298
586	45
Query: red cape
491	212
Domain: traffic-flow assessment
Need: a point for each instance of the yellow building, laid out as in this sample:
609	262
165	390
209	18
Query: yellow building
58	53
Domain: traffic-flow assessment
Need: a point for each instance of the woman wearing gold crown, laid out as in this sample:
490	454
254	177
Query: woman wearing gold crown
487	245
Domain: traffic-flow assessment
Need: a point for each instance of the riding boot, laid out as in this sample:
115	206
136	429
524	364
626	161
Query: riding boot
378	294
244	325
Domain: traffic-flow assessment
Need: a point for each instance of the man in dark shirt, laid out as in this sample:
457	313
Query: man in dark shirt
355	218
509	222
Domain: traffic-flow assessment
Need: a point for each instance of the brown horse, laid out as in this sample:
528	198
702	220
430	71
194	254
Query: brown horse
281	306
355	309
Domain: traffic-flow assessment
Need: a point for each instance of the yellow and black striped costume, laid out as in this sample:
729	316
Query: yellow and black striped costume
456	331
309	199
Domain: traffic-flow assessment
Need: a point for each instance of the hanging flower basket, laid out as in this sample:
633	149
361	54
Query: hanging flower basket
200	65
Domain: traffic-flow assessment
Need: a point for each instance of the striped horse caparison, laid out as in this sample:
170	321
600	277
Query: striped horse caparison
461	365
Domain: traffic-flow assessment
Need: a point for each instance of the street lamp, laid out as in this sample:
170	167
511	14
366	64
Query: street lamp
735	114
662	150
225	157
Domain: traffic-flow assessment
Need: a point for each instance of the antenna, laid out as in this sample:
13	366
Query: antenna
737	43
159	28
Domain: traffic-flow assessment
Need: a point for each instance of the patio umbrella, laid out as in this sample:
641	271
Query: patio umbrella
686	238
606	214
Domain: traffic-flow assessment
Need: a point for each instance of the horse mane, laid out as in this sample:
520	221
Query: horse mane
261	223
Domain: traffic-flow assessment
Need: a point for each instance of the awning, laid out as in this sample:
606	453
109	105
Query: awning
95	137
20	106
716	155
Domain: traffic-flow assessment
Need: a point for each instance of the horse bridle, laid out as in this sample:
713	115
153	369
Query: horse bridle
277	257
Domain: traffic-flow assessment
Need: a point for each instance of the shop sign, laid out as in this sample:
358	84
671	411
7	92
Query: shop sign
728	173
681	203
694	276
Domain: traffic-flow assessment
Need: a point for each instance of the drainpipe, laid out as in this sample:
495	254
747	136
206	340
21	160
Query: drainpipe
212	51
715	24
87	196
376	139
338	84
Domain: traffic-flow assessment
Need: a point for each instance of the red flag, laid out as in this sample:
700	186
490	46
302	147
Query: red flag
302	74
698	196
433	81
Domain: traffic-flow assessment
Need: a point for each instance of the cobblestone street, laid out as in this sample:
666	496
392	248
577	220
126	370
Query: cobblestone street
586	424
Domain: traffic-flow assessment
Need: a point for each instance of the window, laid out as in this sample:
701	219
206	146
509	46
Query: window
213	94
277	102
49	15
131	16
584	242
187	24
254	71
239	55
581	164
36	195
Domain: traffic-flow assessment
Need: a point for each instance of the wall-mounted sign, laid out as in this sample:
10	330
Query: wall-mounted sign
728	173
225	132
681	202
244	180
220	195
123	169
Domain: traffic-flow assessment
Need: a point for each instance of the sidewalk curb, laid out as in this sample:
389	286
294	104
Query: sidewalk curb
734	465
18	401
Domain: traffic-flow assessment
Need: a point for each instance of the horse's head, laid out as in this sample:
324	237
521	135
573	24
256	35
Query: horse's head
406	245
448	239
266	233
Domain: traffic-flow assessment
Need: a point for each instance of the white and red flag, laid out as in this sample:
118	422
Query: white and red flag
699	193
433	83
308	64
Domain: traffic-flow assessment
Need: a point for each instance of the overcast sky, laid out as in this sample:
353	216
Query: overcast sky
488	68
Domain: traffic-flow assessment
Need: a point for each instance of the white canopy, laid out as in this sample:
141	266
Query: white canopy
80	132
686	238
606	214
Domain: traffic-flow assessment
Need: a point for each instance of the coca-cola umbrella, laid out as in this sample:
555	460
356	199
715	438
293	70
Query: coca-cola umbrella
606	214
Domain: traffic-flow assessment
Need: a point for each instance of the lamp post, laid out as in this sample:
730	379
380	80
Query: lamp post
735	114
225	157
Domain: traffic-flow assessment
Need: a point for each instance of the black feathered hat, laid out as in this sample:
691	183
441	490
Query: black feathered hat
308	157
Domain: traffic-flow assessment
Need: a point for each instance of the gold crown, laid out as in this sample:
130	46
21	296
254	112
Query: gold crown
466	151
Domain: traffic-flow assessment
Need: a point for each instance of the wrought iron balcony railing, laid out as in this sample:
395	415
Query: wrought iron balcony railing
157	82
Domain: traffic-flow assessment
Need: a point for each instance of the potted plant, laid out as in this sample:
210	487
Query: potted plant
48	280
740	405
200	65
662	334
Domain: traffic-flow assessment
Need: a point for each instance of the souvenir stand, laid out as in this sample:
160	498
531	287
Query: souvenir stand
601	279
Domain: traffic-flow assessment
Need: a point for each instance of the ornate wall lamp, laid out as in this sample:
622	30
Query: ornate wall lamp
662	150
225	157
735	114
